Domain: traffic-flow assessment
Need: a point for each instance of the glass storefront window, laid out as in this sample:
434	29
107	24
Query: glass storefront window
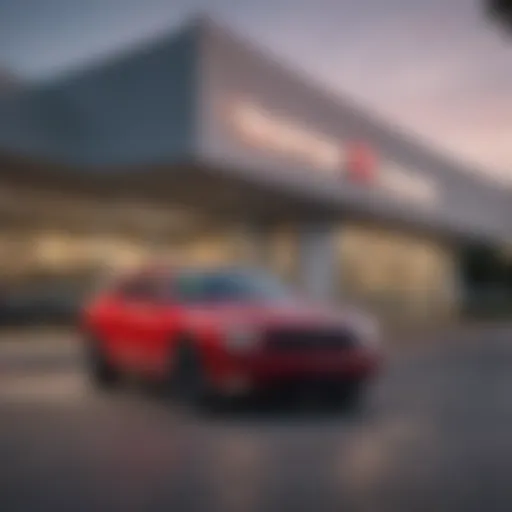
399	273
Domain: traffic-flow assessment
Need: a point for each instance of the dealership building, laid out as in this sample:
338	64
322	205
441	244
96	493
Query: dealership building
202	148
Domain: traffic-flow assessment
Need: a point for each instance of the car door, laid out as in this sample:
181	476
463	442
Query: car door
144	324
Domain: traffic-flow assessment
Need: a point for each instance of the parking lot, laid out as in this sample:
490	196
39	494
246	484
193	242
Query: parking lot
435	435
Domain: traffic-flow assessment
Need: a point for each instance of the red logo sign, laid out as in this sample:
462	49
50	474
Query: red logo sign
360	163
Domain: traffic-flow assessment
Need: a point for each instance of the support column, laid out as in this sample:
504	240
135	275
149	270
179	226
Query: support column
318	262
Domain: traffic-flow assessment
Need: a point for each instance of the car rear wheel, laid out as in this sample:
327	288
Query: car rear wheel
101	371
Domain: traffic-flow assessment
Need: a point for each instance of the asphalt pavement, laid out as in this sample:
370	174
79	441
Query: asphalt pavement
434	436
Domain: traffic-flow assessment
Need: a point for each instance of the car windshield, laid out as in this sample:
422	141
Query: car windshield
228	286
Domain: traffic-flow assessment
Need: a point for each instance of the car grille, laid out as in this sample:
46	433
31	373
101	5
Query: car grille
308	339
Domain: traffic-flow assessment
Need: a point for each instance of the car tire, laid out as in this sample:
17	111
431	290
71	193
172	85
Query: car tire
101	371
351	396
188	383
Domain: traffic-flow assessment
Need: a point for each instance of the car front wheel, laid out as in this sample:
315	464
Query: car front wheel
352	395
187	379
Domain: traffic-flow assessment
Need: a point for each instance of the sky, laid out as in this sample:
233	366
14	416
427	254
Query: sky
438	68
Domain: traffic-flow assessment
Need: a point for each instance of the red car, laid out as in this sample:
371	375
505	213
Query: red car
224	332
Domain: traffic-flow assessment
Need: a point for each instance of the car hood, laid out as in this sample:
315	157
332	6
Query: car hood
276	314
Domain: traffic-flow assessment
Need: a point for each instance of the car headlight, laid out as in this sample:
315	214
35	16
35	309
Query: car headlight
368	331
239	338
